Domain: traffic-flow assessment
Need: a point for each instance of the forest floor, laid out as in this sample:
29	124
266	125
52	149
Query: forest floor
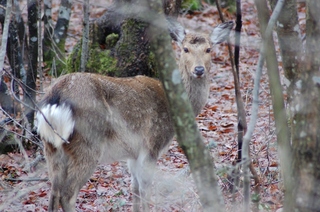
173	188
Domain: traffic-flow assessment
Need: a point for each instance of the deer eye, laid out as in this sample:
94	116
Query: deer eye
208	50
186	50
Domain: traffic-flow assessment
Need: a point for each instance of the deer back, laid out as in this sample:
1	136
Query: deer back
108	112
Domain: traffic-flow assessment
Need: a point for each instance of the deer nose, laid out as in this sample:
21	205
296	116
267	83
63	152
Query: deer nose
199	71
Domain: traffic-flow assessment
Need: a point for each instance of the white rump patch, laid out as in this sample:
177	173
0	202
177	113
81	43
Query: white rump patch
60	118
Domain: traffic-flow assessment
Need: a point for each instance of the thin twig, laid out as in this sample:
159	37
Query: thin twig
21	84
17	123
218	3
16	97
242	124
36	108
35	162
26	179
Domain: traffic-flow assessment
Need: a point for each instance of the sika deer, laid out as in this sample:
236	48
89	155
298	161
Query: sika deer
103	119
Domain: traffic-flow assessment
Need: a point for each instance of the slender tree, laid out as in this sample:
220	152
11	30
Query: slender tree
31	75
188	135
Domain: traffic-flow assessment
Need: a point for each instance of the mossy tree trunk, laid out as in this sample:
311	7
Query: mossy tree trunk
119	44
133	50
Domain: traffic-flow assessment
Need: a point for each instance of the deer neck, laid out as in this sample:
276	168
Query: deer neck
197	90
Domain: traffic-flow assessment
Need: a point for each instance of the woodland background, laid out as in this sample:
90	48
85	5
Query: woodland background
24	185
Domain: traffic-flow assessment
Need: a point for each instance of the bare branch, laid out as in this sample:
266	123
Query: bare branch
34	108
18	124
27	179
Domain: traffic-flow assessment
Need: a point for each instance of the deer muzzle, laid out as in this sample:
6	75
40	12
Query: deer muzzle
198	71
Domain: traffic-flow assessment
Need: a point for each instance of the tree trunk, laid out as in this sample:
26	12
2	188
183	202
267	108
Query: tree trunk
119	45
289	39
172	7
54	41
186	129
15	58
306	119
85	36
6	101
31	76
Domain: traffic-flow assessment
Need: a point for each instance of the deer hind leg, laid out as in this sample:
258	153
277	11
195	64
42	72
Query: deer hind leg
56	171
142	170
69	169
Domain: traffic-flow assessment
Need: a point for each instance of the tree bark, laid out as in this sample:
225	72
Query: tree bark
114	36
15	57
133	49
306	121
85	36
31	75
186	129
289	40
5	99
172	7
54	40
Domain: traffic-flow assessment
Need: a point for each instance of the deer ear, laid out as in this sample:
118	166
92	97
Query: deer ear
221	32
177	31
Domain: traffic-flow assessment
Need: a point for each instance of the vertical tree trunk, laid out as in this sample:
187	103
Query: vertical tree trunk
306	120
133	41
14	54
132	49
30	94
289	39
54	41
85	36
188	134
6	102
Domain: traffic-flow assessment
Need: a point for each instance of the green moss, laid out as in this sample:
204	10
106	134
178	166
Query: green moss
230	5
111	40
73	61
191	5
100	61
151	63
